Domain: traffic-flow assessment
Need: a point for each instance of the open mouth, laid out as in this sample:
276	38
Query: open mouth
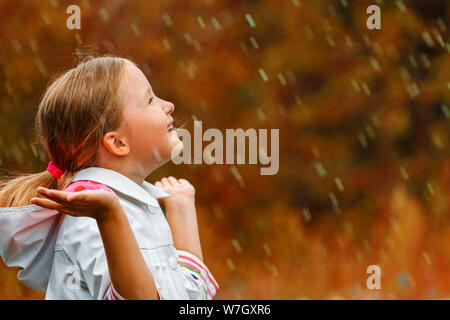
170	127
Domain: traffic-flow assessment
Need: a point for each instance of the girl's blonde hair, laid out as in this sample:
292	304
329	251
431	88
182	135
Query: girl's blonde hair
75	112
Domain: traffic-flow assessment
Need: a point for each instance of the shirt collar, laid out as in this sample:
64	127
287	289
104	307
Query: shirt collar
147	194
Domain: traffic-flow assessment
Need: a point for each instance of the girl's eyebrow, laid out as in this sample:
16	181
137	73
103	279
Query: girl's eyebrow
148	94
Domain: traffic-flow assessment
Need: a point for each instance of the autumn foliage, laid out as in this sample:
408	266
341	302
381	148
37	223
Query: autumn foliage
364	131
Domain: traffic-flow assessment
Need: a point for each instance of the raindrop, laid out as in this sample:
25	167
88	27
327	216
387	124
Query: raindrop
200	22
263	74
166	44
413	61
236	245
250	20
428	40
339	184
400	5
445	107
441	24
78	39
33	44
375	65
363	140
437	142
104	14
135	29
216	23
282	79
348	41
16	46
426	62
296	3
306	214
335	203
167	20
366	88
237	176
320	169
413	90
404	173
261	115
330	41
370	132
230	264
267	249
430	188
355	85
254	43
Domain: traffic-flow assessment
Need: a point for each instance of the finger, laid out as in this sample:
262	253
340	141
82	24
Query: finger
77	196
158	184
184	181
165	182
173	181
55	195
49	204
87	195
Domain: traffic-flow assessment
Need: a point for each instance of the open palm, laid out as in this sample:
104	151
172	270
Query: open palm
87	203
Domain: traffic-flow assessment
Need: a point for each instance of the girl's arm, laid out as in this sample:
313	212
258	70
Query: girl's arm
129	273
182	218
181	214
127	268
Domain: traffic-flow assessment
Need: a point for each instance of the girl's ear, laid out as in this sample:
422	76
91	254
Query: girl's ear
116	143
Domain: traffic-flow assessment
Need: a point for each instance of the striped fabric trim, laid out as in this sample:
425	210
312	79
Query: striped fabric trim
111	294
190	262
198	264
160	296
207	290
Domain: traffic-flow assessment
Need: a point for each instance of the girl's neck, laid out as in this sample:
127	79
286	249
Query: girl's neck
134	175
128	167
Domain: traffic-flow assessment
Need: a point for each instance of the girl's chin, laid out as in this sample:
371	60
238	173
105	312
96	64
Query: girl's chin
173	137
176	149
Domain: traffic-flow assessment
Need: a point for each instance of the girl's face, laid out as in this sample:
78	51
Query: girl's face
147	121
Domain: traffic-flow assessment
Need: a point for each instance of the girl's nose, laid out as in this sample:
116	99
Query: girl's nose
169	107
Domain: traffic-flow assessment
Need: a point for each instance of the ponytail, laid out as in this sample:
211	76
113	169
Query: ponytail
16	190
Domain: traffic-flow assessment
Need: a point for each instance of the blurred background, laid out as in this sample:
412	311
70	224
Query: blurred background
363	118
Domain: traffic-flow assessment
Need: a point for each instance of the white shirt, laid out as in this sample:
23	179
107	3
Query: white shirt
64	255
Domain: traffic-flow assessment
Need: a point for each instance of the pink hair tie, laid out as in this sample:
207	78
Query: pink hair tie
54	170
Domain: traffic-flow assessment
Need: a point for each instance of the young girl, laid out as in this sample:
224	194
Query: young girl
95	229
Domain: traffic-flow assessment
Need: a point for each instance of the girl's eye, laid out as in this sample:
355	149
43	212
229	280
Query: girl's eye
150	101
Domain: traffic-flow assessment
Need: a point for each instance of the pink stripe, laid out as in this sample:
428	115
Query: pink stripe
209	277
192	260
113	294
190	265
202	267
108	294
204	280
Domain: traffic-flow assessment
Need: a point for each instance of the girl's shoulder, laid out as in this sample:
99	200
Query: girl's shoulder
81	185
80	234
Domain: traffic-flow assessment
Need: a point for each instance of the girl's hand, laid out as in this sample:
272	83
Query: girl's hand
182	193
97	204
181	214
